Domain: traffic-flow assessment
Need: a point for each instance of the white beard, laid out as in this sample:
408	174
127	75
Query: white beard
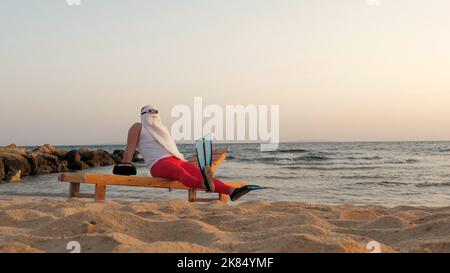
152	123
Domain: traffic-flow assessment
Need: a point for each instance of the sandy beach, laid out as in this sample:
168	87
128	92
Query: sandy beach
28	225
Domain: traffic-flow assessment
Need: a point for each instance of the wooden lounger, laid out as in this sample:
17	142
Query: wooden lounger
102	180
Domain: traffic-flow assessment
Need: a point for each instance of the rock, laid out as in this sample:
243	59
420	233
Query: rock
46	149
99	158
73	155
77	165
61	154
104	158
14	159
92	163
62	166
49	149
85	154
13	176
44	163
38	165
48	159
116	158
136	157
12	148
119	153
96	158
14	162
74	162
2	170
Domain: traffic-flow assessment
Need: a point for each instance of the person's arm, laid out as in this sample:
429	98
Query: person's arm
132	142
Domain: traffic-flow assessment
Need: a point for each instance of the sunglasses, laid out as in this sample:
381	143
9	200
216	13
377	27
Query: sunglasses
150	111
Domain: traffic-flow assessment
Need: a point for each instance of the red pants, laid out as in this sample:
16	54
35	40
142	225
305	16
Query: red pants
186	172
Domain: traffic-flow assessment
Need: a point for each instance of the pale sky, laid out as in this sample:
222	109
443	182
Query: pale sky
340	70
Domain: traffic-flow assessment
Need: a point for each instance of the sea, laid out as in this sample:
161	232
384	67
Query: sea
381	173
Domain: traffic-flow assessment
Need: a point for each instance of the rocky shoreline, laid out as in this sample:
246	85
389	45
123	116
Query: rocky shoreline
17	162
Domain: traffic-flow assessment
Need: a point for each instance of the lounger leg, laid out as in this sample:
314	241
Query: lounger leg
192	195
100	192
74	189
223	198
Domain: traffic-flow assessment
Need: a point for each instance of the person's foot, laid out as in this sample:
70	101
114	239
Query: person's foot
210	186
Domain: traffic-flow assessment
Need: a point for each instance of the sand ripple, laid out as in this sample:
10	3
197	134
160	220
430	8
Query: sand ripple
257	226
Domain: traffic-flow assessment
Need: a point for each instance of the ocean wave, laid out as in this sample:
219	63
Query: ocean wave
382	183
433	184
401	161
280	177
229	177
311	158
410	161
331	168
259	159
362	177
293	151
364	158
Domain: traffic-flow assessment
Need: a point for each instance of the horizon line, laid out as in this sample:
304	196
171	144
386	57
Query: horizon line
243	142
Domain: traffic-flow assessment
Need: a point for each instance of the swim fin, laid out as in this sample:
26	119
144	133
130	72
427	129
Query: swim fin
239	192
203	148
208	150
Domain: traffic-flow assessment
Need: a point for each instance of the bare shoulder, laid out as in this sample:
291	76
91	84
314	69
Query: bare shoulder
136	128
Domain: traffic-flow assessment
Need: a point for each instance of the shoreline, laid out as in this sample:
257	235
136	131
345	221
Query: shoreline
35	225
42	196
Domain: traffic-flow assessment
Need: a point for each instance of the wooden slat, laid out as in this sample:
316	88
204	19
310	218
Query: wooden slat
206	199
74	189
192	195
139	181
135	181
72	177
100	192
218	157
223	198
